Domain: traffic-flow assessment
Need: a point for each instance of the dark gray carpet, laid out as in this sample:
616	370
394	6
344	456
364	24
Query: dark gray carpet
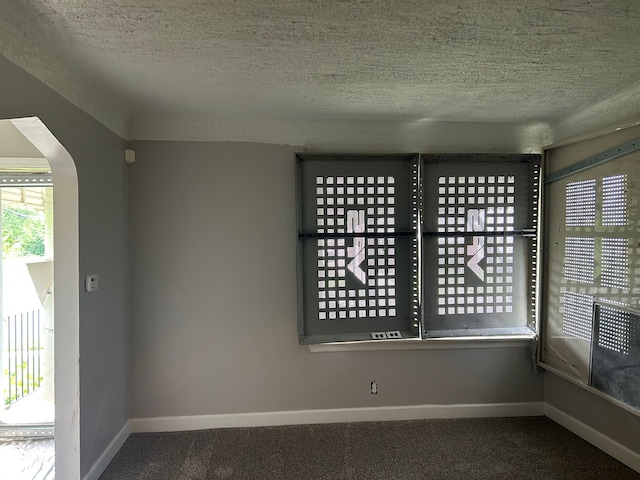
493	448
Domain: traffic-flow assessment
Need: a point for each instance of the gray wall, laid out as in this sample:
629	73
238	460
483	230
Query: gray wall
102	178
213	301
592	410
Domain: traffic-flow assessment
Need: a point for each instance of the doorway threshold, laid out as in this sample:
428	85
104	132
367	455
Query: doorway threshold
34	430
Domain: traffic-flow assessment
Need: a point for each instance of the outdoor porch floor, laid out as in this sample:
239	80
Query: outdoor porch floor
29	410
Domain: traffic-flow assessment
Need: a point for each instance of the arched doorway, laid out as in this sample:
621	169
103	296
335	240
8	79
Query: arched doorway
66	307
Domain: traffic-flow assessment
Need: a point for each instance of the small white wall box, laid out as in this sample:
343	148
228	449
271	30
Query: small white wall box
91	283
378	335
129	156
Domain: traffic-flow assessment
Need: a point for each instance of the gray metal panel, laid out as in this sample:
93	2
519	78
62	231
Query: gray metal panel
364	177
479	181
615	353
482	332
457	298
356	219
348	306
479	247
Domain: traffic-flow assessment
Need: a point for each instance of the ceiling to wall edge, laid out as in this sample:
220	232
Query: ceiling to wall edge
313	133
338	134
320	133
570	140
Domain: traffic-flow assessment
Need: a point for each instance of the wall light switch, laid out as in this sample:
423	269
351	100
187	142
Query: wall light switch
91	283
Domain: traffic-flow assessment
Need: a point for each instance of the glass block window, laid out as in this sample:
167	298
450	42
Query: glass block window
579	259
577	314
581	203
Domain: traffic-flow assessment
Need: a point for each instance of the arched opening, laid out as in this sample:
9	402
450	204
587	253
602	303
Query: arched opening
66	305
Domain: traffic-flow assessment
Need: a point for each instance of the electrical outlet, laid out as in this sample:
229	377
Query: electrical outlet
394	334
374	387
378	335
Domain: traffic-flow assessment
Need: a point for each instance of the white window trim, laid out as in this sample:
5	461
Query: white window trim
507	341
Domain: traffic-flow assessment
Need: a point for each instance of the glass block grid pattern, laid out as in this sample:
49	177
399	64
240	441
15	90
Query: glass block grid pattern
616	329
476	203
581	203
356	274
487	288
614	200
579	259
615	263
577	314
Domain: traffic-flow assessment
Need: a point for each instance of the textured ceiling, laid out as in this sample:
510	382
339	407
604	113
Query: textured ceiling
336	72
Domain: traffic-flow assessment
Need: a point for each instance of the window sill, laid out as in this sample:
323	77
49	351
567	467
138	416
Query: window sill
508	341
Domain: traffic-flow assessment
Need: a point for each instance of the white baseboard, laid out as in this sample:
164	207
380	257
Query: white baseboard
618	451
367	414
101	464
340	415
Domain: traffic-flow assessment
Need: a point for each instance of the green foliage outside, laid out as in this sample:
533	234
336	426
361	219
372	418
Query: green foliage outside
22	383
22	232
